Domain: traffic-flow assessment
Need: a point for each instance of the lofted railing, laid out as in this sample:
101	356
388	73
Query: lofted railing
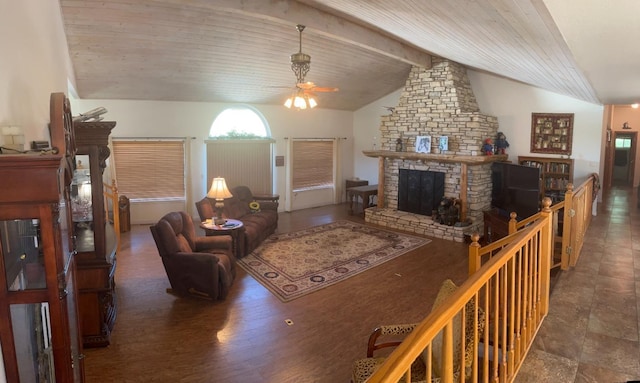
568	232
510	290
509	286
578	206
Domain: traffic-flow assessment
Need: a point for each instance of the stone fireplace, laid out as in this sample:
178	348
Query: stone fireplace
436	102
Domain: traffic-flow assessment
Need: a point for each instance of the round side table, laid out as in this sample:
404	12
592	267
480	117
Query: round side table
232	227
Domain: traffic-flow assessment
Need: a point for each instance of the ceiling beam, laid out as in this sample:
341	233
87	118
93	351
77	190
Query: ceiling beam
323	23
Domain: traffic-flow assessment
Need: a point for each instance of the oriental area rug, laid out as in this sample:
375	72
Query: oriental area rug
298	263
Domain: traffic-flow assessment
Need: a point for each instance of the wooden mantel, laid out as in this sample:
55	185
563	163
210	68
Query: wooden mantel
464	161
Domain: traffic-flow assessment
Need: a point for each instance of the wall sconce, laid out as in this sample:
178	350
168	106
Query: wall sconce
219	192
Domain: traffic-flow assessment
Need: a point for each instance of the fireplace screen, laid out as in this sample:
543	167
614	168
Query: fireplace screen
420	191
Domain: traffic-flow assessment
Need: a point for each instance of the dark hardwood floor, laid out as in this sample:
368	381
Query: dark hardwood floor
162	338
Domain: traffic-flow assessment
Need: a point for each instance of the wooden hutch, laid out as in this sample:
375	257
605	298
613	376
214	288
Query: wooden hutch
96	237
38	292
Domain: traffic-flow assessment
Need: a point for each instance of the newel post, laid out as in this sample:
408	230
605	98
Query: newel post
474	254
513	222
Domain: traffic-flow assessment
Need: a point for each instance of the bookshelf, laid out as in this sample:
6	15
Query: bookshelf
555	175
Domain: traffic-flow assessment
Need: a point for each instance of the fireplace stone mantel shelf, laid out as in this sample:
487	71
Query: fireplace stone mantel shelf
464	162
446	158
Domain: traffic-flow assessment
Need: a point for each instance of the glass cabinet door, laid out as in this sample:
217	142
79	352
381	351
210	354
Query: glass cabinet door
82	205
22	252
32	333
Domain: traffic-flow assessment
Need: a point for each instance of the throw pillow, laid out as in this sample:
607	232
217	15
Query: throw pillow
254	206
447	288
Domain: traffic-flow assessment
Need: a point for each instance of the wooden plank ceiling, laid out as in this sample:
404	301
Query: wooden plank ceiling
238	51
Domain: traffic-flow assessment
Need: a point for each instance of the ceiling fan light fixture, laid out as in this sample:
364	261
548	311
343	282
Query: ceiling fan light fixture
300	62
301	101
303	98
312	101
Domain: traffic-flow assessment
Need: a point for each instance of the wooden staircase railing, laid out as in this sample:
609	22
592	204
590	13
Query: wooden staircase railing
578	205
508	281
111	208
511	289
568	233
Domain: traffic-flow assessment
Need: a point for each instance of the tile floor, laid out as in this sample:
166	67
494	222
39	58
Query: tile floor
591	332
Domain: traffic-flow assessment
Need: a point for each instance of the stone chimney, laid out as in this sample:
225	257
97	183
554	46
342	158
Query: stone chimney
439	102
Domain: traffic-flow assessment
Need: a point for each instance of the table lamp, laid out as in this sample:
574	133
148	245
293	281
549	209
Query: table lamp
219	192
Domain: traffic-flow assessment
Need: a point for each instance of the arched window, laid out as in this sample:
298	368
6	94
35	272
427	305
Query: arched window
240	149
239	122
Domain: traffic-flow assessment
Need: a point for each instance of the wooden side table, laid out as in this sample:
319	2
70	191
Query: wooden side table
365	193
351	183
232	227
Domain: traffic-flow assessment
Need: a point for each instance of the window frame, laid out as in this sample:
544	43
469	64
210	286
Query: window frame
142	164
307	155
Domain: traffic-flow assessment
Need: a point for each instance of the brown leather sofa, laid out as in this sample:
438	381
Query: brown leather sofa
196	265
257	225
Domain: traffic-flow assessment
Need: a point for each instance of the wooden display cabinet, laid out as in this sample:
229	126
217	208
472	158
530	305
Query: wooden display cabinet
96	238
555	175
39	330
551	133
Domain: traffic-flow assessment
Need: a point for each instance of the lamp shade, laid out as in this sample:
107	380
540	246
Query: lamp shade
301	100
219	190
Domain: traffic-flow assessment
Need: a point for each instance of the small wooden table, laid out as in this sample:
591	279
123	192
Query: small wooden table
351	183
365	193
232	227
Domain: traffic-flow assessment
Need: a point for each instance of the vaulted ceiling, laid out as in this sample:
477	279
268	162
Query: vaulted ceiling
235	51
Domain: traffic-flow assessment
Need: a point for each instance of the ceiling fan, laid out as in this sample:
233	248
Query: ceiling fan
303	96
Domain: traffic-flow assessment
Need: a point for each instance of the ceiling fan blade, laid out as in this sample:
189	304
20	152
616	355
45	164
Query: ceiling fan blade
325	89
309	92
311	86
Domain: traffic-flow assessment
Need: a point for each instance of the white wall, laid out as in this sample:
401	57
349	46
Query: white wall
190	119
513	102
34	64
366	126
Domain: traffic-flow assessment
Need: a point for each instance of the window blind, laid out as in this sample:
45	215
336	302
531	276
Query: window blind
312	164
241	162
150	169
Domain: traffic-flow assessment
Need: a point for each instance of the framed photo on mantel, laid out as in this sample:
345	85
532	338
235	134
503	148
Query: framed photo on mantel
551	133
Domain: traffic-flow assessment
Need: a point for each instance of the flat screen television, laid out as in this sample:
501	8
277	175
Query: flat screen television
516	188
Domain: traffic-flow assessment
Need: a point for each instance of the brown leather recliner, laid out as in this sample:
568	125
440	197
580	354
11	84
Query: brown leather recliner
195	265
258	225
